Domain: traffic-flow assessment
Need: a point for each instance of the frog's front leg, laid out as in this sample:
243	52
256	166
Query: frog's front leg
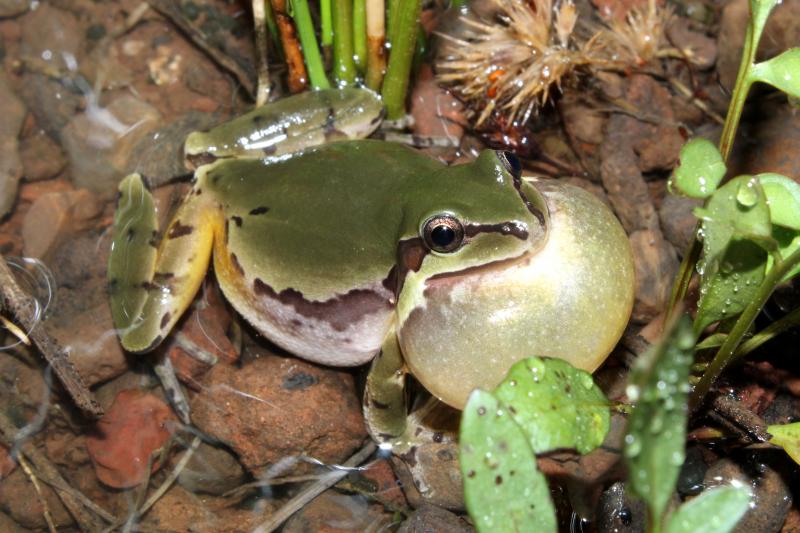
151	283
386	403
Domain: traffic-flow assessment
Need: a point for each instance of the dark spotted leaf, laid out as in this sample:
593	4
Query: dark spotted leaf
654	444
503	489
556	405
716	510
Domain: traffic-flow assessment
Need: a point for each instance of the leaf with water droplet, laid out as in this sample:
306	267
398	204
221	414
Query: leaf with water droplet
781	71
508	493
734	260
657	424
716	510
700	170
563	409
783	198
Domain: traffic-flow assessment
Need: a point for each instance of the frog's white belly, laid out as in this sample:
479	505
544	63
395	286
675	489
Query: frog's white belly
347	330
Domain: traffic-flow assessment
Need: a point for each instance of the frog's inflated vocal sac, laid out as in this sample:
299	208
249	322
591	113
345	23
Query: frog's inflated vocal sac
362	248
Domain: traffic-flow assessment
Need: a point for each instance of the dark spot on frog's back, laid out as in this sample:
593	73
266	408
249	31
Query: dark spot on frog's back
237	220
299	381
165	319
236	264
340	312
179	230
259	210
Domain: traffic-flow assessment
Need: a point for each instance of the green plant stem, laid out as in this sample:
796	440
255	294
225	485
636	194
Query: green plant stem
776	328
391	18
308	39
272	26
740	90
404	33
727	352
326	22
685	272
360	34
344	69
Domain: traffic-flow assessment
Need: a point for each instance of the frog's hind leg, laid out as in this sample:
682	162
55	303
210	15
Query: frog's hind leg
151	283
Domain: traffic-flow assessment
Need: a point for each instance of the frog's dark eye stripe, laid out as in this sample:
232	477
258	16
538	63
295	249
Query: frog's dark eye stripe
511	162
443	233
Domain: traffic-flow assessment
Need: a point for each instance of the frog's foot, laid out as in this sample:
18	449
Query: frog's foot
152	282
172	388
386	406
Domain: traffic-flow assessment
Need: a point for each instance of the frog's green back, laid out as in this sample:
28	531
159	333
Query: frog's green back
322	223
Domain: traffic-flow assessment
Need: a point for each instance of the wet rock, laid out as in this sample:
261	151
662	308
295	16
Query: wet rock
210	470
627	191
429	474
657	145
92	343
584	126
42	157
781	32
277	408
7	464
123	441
431	519
99	142
678	221
690	479
56	217
785	409
13	112
618	512
338	513
771	496
20	501
12	8
51	42
8	525
180	510
655	264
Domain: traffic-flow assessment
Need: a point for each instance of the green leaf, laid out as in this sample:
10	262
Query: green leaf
503	489
787	436
700	169
556	405
658	388
781	71
783	198
716	510
735	230
759	11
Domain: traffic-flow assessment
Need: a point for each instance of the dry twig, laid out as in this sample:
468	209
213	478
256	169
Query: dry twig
23	307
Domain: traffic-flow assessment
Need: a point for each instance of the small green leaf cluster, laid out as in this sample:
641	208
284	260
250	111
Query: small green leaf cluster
541	406
748	239
654	444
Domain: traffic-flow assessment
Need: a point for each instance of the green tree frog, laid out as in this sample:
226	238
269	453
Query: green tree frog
361	250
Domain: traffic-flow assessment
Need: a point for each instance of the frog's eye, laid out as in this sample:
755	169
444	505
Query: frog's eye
511	162
443	233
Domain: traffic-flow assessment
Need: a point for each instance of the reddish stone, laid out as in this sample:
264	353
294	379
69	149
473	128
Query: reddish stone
278	408
137	424
7	464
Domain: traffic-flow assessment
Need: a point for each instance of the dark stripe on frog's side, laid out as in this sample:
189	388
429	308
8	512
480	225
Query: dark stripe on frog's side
165	319
505	228
340	312
179	230
532	208
259	210
237	220
410	254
